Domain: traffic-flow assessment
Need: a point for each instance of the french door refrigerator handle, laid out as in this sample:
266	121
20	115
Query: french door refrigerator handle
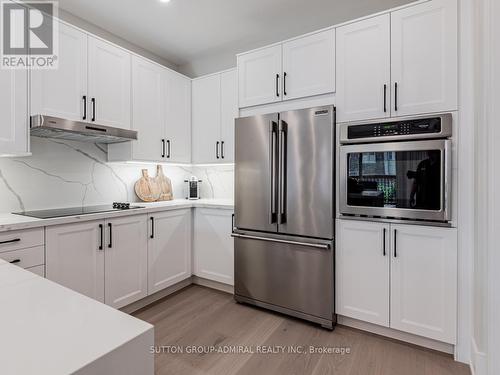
297	243
283	167
273	141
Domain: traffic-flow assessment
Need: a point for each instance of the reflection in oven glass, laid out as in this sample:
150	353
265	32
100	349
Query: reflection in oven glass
406	179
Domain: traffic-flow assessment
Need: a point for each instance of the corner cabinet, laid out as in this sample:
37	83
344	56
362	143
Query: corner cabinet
169	249
161	114
295	69
214	110
213	245
399	276
412	66
14	133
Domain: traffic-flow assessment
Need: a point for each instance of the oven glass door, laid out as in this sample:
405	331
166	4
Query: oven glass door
403	179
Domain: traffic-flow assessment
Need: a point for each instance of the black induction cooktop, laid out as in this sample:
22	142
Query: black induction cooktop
75	211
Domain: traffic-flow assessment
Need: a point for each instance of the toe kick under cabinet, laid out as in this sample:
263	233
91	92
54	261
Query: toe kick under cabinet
398	276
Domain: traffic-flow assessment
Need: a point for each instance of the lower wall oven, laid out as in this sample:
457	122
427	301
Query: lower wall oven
397	169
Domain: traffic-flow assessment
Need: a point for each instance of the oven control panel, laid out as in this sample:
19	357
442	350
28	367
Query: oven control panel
392	129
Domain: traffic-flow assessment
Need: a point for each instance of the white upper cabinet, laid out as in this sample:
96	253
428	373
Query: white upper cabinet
75	257
206	119
126	260
169	249
362	264
14	136
364	70
229	112
148	114
424	58
62	92
109	84
178	117
309	65
424	281
259	75
215	106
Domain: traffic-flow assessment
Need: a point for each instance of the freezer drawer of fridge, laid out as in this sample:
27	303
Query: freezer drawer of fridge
292	277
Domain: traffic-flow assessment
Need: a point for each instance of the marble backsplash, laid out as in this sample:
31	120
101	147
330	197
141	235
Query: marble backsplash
68	174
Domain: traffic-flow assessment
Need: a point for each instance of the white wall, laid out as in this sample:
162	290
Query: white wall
67	174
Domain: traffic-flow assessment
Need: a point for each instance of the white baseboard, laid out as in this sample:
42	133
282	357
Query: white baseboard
213	284
174	288
156	297
397	335
478	364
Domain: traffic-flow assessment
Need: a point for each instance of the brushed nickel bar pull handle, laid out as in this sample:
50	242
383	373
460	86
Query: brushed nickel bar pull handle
272	160
297	243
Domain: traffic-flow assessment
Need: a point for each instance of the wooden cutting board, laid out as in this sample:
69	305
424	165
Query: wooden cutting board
147	188
164	184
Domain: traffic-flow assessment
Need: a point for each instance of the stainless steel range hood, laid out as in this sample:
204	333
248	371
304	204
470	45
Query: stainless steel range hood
59	128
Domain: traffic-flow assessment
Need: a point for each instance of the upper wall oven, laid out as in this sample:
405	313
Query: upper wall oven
397	169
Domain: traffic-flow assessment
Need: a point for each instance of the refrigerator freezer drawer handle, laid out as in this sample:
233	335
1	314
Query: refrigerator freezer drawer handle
297	243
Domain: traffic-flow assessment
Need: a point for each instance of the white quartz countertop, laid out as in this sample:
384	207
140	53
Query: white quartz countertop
10	221
49	329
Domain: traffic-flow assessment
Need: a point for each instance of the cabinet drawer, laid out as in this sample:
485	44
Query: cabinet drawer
21	239
38	270
25	258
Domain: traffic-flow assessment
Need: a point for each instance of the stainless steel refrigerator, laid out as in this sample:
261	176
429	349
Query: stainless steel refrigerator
284	213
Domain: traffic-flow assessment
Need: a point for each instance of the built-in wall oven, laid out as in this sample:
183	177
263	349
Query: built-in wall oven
397	169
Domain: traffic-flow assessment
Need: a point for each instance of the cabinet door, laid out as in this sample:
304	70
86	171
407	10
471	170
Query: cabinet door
206	119
178	117
424	58
109	84
259	77
213	245
75	257
229	112
362	266
60	92
148	104
364	70
126	278
14	137
424	281
309	65
169	249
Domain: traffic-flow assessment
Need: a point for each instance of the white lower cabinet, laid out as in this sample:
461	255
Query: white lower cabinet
74	257
362	266
424	281
126	262
104	260
169	249
399	276
213	245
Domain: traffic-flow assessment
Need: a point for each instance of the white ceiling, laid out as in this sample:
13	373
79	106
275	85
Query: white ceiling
185	32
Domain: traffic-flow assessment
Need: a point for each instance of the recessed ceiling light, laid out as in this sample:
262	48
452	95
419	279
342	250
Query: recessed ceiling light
164	1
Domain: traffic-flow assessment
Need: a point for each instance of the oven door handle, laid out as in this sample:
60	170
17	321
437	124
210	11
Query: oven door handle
447	165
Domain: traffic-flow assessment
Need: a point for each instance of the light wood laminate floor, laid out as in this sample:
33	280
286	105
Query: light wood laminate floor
209	320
